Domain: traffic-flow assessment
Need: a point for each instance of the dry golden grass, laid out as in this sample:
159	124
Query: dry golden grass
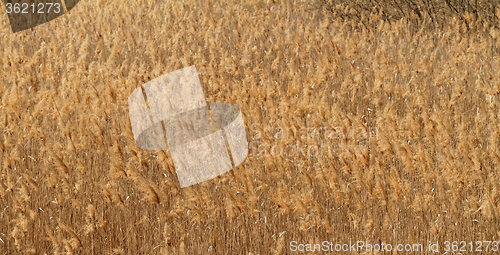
418	107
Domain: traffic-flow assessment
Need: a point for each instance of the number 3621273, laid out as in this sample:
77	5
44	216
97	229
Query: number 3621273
33	8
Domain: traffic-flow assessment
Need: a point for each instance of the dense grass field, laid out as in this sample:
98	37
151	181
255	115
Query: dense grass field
364	128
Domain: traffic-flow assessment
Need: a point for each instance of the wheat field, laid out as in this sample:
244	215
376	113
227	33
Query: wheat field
377	130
